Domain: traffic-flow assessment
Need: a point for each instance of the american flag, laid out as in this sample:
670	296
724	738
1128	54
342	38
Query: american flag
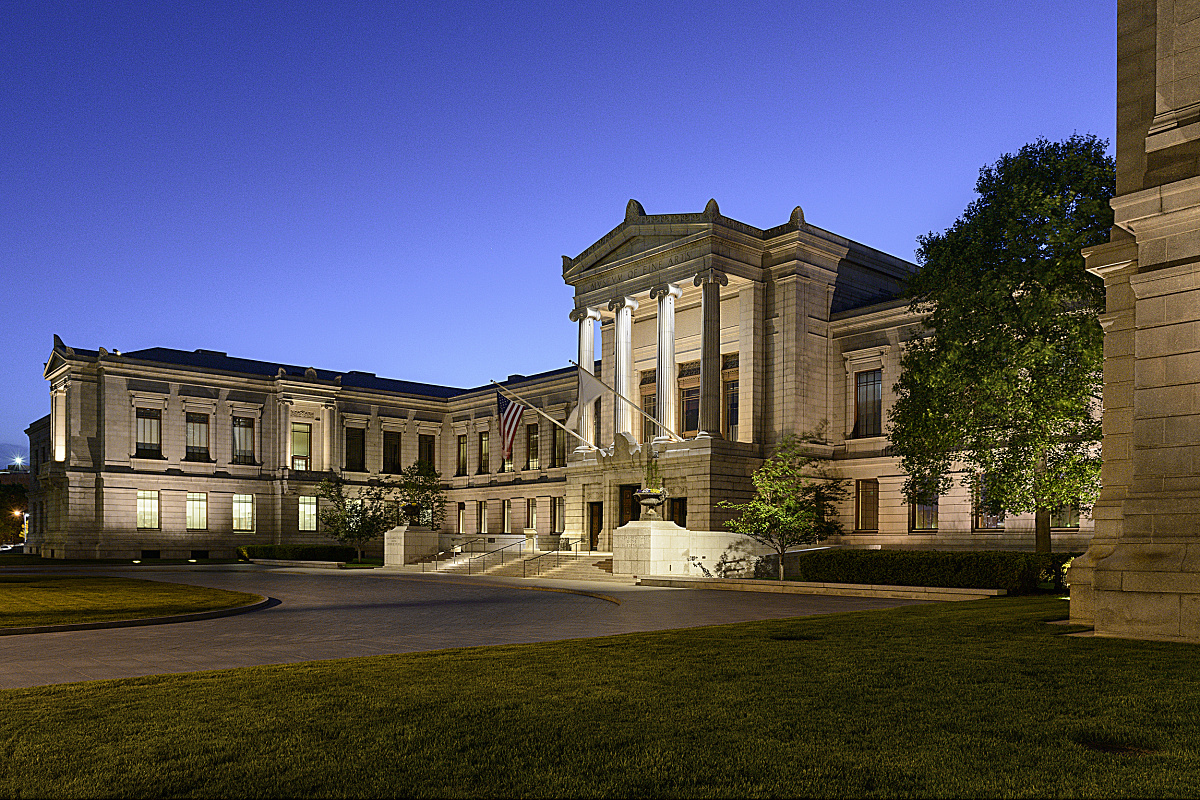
510	421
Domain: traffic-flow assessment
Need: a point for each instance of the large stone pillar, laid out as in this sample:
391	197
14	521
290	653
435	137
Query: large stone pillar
587	318
623	363
710	282
667	375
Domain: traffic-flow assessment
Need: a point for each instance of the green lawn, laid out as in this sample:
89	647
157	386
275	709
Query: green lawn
953	700
55	600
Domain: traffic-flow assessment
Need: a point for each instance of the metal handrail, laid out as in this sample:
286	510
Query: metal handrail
451	551
556	552
519	544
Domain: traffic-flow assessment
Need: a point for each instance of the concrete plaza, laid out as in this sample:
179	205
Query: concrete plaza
327	614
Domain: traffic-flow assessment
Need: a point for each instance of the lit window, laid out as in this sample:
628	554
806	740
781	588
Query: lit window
485	464
558	514
868	403
481	509
508	516
531	513
149	433
308	513
243	512
1065	517
981	519
243	440
532	457
356	449
923	516
197	437
867	505
147	509
462	518
301	446
197	511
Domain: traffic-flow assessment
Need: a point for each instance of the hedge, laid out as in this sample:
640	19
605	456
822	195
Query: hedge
1017	573
299	552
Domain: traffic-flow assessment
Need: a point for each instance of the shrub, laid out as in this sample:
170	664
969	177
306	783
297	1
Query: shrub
1017	573
298	552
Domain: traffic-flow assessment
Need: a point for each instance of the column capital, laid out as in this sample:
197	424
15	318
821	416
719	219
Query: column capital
711	276
665	290
586	312
618	303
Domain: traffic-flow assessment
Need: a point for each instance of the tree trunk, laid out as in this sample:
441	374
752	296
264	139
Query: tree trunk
781	565
1042	530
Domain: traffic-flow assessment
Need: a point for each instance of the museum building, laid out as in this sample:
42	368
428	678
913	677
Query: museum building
752	335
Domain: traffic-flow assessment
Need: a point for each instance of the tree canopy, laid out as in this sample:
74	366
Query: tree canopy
416	496
1008	381
795	500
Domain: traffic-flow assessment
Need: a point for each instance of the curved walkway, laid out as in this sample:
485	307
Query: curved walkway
325	614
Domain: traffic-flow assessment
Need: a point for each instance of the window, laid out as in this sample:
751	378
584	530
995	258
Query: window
1065	517
462	455
558	447
730	407
147	509
197	437
481	512
868	404
149	434
650	406
981	519
533	458
462	517
243	440
243	512
308	513
485	464
356	449
558	514
923	516
301	446
597	418
866	505
391	452
197	511
507	516
689	405
425	450
531	513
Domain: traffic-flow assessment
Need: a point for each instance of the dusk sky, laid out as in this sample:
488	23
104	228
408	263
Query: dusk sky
390	187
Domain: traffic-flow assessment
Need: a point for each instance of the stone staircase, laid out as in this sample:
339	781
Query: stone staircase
571	566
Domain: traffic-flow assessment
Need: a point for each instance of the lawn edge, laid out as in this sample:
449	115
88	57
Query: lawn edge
196	616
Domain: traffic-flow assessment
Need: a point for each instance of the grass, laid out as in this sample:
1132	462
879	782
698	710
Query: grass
31	560
27	600
951	700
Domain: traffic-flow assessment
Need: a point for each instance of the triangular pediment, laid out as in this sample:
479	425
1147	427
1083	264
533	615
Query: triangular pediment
627	242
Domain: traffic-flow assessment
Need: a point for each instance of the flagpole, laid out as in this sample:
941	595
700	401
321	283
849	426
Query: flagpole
634	406
531	406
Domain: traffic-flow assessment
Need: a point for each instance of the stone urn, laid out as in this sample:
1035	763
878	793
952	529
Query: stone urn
651	499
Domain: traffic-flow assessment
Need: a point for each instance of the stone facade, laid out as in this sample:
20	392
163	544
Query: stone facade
1141	575
751	334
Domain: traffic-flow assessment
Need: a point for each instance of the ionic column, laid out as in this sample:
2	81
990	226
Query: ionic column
667	384
587	318
623	362
710	282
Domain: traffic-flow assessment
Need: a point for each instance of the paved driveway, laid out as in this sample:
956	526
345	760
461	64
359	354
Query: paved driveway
324	614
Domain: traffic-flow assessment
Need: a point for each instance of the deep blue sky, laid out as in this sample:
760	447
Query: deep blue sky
390	186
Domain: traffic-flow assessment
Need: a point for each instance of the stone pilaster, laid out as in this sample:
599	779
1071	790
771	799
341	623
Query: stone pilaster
667	374
710	282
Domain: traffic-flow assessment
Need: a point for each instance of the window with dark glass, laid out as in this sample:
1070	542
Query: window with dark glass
196	435
1065	517
597	418
866	505
731	410
558	447
301	446
391	452
557	514
461	464
533	459
149	433
485	463
650	406
425	450
689	405
356	449
868	403
981	518
243	440
923	516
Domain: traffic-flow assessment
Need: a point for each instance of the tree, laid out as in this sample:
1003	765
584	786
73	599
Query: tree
422	495
795	500
358	519
1008	382
13	505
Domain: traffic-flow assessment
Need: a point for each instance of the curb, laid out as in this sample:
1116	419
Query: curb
134	623
834	589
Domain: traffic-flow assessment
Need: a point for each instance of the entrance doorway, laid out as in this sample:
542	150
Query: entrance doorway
595	524
631	509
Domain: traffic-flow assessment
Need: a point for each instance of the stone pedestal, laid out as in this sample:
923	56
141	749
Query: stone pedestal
657	547
403	545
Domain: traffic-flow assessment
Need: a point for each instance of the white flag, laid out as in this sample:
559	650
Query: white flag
589	390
